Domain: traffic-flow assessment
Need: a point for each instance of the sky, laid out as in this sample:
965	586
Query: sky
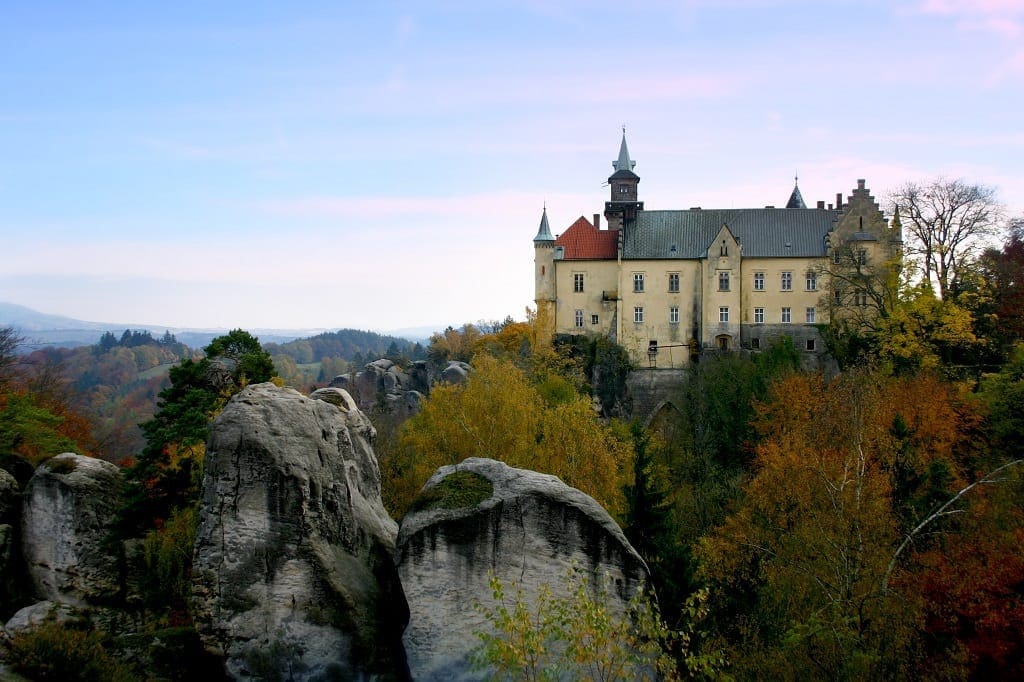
383	165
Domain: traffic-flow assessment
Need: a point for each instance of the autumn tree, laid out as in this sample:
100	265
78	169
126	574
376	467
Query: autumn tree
499	413
947	222
803	560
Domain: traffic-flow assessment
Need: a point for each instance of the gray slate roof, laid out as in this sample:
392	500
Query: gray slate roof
762	232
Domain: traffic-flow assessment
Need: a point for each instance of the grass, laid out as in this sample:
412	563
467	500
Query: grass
456	491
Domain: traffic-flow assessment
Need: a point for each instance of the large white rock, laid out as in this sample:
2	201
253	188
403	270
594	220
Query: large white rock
69	509
528	533
293	570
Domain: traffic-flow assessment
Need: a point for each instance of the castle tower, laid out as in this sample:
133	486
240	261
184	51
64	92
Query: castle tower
544	279
622	206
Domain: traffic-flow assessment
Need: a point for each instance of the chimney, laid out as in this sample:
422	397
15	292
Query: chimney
839	200
830	207
860	184
597	220
821	204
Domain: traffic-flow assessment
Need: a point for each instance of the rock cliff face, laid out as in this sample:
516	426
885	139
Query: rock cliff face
69	509
527	532
293	558
383	386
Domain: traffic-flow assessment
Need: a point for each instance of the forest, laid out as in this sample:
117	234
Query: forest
864	523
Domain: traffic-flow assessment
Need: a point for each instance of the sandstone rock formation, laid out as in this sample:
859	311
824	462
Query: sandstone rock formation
69	509
530	529
383	386
293	559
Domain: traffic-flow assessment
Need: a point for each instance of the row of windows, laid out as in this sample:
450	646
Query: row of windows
579	318
785	281
810	315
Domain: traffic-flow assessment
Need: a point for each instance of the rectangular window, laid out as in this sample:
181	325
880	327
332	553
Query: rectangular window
758	315
579	318
810	344
862	257
577	282
809	315
638	314
787	281
860	298
673	315
758	281
723	281
638	282
673	282
723	314
787	315
593	319
755	342
812	281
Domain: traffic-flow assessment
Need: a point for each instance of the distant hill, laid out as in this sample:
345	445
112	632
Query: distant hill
42	330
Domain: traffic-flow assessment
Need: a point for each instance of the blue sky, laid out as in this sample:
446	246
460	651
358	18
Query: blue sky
384	165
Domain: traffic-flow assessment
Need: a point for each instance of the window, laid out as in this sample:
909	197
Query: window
787	315
755	342
673	282
723	281
860	298
758	281
638	282
723	314
812	281
862	257
724	250
810	344
593	319
758	315
638	314
809	315
836	256
579	318
673	315
787	281
577	282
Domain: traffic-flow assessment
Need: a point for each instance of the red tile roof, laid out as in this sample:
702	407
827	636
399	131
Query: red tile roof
583	241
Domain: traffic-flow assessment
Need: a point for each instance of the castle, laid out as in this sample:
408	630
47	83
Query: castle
669	285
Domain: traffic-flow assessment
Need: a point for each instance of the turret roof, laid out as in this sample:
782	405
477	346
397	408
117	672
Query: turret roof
796	200
623	165
544	232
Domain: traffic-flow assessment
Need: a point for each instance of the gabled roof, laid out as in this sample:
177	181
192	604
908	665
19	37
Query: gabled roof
583	241
762	232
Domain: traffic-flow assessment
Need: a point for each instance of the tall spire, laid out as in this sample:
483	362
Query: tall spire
544	233
624	163
796	200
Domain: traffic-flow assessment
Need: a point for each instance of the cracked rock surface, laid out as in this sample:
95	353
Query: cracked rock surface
293	558
528	533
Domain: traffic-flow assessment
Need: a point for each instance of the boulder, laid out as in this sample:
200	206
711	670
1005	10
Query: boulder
456	372
528	532
69	510
293	571
338	397
38	613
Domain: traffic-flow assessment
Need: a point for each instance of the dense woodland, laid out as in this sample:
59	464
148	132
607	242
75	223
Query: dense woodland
859	524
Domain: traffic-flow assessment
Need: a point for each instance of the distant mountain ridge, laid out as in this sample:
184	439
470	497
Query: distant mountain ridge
45	330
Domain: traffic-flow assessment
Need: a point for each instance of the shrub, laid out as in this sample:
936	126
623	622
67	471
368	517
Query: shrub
60	651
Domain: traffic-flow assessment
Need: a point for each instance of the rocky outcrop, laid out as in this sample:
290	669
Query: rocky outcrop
527	531
69	509
456	372
383	386
292	565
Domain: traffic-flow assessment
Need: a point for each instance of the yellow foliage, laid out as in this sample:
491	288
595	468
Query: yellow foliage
499	414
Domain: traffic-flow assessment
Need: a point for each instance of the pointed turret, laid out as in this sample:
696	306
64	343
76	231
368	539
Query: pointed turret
897	227
624	165
544	233
796	200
